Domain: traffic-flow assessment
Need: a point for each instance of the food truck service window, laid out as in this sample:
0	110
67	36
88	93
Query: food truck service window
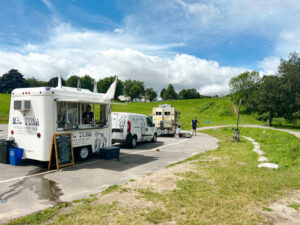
72	115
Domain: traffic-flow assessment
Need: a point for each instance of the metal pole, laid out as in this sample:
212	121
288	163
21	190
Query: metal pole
237	125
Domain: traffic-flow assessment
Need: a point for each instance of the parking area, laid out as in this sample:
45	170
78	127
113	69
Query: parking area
30	187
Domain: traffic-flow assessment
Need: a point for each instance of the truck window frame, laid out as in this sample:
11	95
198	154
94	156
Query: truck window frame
103	116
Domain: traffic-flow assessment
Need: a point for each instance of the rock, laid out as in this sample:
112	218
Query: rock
268	165
262	159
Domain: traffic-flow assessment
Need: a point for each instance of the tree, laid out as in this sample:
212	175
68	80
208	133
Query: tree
189	94
170	93
33	82
243	85
53	82
268	101
87	82
104	84
289	72
11	80
134	89
72	81
150	94
162	93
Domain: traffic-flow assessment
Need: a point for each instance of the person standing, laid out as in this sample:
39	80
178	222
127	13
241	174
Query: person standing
194	126
178	131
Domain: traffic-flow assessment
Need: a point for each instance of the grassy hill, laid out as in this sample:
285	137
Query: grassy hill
218	111
4	107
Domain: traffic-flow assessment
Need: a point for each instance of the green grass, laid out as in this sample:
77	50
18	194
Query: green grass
295	206
224	187
218	111
4	107
287	155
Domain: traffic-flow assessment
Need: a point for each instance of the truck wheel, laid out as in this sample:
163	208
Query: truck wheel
83	153
133	142
154	139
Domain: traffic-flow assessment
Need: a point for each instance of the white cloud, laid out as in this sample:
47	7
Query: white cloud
70	51
270	65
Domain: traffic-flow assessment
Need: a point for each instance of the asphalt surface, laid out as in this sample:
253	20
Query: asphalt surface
29	188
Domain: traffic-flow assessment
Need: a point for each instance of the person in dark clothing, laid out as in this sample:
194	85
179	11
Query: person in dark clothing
88	116
194	126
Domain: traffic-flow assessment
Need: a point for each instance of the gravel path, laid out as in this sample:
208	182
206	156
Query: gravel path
296	133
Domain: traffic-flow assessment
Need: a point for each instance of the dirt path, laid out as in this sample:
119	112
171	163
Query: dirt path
296	133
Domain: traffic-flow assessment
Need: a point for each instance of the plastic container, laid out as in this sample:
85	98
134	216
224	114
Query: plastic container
110	152
3	152
15	156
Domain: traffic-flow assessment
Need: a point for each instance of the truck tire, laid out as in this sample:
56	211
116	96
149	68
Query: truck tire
154	139
83	153
133	142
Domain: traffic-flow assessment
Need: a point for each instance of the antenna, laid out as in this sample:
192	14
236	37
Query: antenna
59	82
95	87
78	85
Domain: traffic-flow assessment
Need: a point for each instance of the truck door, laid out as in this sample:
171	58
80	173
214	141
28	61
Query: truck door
143	128
150	129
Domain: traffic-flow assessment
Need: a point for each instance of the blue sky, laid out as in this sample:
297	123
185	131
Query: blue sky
190	43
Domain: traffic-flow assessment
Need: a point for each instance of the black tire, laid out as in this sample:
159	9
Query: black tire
154	139
133	142
83	153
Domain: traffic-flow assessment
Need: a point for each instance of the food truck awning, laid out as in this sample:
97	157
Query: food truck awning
80	100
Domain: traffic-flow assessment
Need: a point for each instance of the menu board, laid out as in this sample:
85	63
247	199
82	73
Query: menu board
61	151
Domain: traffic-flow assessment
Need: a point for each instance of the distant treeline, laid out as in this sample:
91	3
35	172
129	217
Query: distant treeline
132	89
271	95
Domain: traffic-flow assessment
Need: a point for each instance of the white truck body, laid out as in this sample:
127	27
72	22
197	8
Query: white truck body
126	126
36	114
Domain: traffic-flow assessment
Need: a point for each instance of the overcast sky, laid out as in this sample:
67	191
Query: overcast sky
197	44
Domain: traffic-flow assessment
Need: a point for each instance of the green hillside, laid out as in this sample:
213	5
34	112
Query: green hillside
218	111
4	107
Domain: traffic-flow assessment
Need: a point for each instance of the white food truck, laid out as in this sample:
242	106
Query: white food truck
130	128
36	114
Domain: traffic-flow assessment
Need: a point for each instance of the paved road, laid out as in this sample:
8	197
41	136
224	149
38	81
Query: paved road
3	131
30	188
296	133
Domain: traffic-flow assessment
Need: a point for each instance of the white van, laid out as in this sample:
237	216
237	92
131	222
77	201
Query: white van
130	128
36	114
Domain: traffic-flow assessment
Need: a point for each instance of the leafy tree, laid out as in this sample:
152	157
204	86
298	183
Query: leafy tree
11	80
53	82
189	94
268	101
72	81
162	93
104	84
170	93
150	94
87	82
243	85
33	82
289	72
134	89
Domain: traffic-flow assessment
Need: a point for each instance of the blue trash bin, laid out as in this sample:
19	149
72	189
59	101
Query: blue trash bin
15	156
